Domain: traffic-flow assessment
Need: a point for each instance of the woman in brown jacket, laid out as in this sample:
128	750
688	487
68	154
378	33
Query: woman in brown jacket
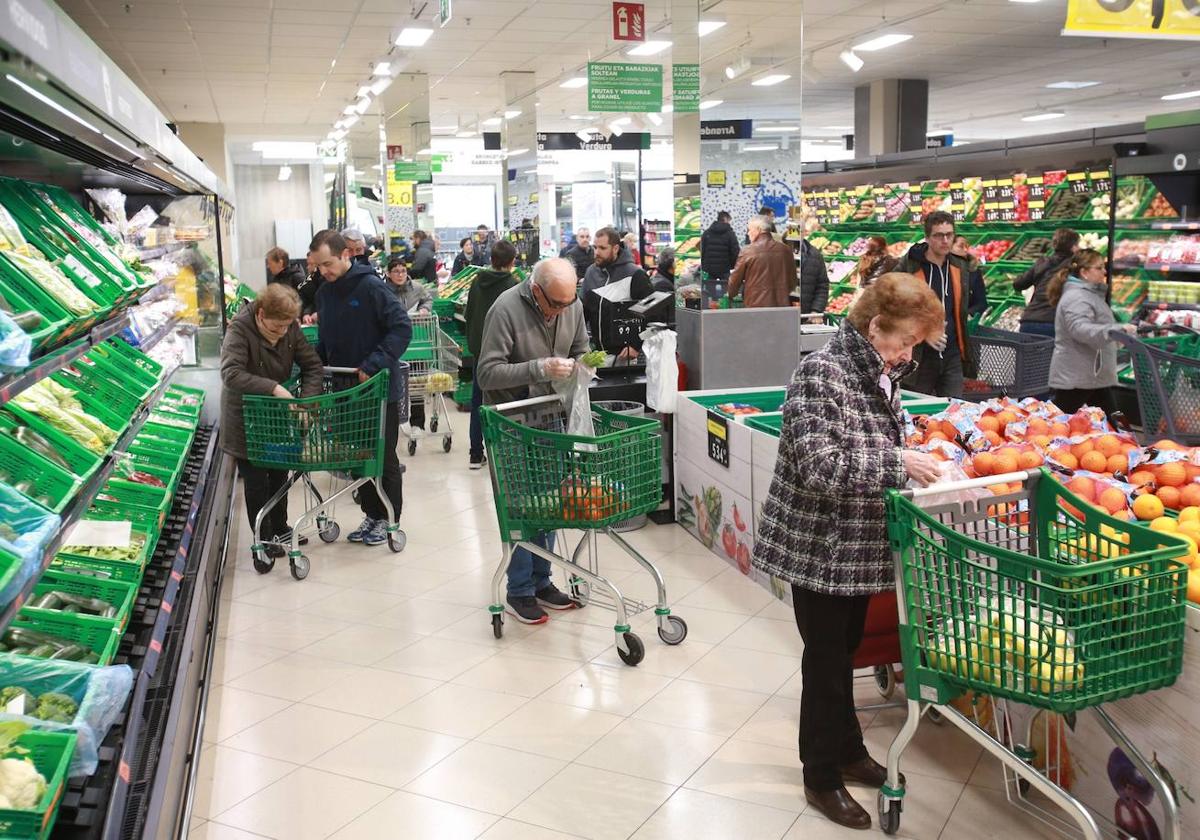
824	529
261	345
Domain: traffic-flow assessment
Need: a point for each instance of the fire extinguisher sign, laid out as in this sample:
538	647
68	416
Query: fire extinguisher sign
629	21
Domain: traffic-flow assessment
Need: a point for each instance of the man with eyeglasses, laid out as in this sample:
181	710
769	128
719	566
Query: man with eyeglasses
942	366
532	335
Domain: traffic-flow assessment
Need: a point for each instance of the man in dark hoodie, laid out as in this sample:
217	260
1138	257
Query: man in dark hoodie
613	265
719	249
944	365
282	271
581	253
424	263
489	284
364	326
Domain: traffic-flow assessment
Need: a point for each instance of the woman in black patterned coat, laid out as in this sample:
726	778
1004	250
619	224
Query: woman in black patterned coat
824	528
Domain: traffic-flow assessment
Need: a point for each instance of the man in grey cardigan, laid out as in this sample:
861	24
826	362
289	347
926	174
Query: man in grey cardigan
533	335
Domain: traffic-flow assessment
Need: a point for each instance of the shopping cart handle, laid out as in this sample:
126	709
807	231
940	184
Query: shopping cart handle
504	408
339	370
965	484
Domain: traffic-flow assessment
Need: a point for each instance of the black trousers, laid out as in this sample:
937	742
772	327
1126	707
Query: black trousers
938	374
1074	399
830	735
259	486
393	473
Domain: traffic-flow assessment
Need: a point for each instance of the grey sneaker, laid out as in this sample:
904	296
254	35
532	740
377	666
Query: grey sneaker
378	534
553	599
525	609
357	534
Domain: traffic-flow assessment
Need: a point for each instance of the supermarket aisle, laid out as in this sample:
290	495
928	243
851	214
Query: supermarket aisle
371	701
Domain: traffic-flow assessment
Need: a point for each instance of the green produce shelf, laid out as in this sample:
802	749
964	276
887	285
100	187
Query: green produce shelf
134	494
1023	245
49	485
768	401
102	639
84	380
50	753
82	462
120	594
771	423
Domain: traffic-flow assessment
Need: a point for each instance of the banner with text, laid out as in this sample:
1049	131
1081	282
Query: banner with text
625	87
1169	19
685	88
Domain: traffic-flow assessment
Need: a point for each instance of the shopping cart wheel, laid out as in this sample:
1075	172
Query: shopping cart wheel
300	566
263	564
397	541
498	625
935	716
330	531
432	425
885	681
447	443
637	651
677	632
889	815
412	447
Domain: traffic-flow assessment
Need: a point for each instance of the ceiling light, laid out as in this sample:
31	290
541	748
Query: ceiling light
117	142
465	135
655	118
737	68
584	135
383	68
882	42
363	91
1071	85
350	121
708	27
760	147
851	60
491	121
615	129
773	79
285	172
380	85
512	115
284	149
575	82
362	105
778	129
444	127
413	36
622	121
649	48
337	135
349	109
578	117
1048	115
711	103
1187	94
668	108
41	97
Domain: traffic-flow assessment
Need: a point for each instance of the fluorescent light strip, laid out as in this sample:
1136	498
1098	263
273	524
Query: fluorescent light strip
711	103
117	142
1071	85
1187	94
381	85
285	172
708	27
882	42
41	97
512	115
413	36
1049	115
655	118
851	60
575	82
383	68
649	48
764	147
773	79
491	122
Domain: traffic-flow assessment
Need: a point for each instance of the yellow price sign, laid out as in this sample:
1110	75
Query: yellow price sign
715	177
400	193
751	177
1171	19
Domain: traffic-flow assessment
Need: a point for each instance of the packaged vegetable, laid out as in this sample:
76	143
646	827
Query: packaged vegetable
21	785
26	529
53	281
15	345
58	406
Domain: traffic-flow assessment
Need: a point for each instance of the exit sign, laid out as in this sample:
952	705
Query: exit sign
629	21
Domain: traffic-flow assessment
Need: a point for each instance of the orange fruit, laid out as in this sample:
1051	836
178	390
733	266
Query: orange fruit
1113	500
1005	417
993	438
949	429
1171	475
988	424
985	463
1140	478
1128	447
936	436
1067	459
1193	590
1117	463
1083	487
1189	514
1038	426
1168	444
1164	524
1191	530
998	489
1060	430
1147	507
1124	514
1169	497
1189	495
1040	441
1006	462
1094	461
1078	424
1108	445
1081	449
1193	472
1031	460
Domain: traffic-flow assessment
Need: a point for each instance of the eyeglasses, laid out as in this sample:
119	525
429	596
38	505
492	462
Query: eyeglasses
944	236
554	304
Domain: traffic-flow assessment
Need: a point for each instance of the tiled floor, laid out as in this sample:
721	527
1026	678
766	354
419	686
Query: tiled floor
372	701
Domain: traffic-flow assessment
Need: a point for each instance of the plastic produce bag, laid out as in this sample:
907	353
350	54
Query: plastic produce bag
662	369
576	397
14	345
25	531
58	406
97	694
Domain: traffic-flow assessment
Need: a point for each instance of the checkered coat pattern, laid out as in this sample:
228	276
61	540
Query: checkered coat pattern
823	525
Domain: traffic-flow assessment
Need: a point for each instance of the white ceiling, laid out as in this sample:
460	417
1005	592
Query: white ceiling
287	68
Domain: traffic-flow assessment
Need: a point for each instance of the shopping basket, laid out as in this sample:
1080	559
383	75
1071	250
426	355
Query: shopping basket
434	359
1011	364
1032	597
546	480
1168	389
340	431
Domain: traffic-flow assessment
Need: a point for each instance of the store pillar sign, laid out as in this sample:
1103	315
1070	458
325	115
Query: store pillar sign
562	141
715	178
685	88
625	87
394	153
718	438
1167	19
726	129
629	21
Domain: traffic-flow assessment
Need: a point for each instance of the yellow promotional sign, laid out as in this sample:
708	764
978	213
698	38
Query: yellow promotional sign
1172	19
400	193
751	177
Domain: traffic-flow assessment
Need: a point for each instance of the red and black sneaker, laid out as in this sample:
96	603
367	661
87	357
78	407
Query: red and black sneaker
553	599
525	609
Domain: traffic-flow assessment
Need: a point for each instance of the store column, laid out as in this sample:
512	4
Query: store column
521	187
890	115
406	111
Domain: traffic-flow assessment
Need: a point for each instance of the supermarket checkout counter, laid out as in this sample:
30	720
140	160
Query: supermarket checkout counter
724	348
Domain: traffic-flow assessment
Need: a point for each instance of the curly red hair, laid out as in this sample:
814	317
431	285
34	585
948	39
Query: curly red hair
898	298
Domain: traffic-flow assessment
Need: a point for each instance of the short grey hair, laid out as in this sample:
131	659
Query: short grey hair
353	233
584	229
761	223
544	271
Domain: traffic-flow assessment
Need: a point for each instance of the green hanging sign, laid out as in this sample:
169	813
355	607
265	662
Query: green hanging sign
625	87
685	88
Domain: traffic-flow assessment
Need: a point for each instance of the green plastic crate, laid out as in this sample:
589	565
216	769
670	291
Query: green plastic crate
51	753
166	474
175	437
54	321
148	496
123	371
767	400
144	520
84	380
120	594
772	423
23	294
117	347
103	639
53	486
81	460
149	455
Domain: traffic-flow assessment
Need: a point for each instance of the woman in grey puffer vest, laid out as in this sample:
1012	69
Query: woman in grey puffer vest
1083	370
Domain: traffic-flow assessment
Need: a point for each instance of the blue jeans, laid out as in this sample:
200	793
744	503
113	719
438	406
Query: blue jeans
1038	328
476	425
527	573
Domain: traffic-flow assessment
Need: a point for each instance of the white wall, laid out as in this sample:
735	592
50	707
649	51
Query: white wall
263	198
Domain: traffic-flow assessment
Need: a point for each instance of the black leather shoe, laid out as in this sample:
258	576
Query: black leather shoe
867	771
839	806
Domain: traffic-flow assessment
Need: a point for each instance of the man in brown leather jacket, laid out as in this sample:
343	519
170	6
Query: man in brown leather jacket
767	269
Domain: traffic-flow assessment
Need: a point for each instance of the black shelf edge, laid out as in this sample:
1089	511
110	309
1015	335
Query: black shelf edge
15	383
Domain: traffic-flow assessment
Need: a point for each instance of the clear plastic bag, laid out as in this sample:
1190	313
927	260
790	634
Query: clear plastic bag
25	531
15	345
662	369
576	397
99	695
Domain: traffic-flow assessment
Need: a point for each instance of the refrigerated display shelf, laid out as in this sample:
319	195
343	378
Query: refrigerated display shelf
41	368
148	254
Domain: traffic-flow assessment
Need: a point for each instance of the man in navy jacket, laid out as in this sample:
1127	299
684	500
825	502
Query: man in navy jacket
364	326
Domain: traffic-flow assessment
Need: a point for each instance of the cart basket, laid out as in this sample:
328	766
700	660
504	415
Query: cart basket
1035	596
1168	391
340	431
546	480
1010	364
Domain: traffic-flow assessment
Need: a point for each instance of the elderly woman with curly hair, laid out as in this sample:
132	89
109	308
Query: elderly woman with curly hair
824	529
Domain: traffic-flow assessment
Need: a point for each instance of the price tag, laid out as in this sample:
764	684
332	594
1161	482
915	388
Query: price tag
1101	180
1078	182
990	191
718	438
1037	210
991	211
1004	188
1037	188
1008	215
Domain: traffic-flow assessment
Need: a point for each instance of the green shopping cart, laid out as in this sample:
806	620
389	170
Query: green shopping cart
341	432
1043	604
546	480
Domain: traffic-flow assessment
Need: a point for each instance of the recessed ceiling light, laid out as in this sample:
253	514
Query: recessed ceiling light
285	172
1071	85
711	103
708	27
1048	115
655	118
465	134
649	48
349	109
363	91
512	115
413	36
383	68
882	42
622	121
362	105
575	82
492	121
851	60
777	129
350	121
760	147
1187	94
380	85
773	79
